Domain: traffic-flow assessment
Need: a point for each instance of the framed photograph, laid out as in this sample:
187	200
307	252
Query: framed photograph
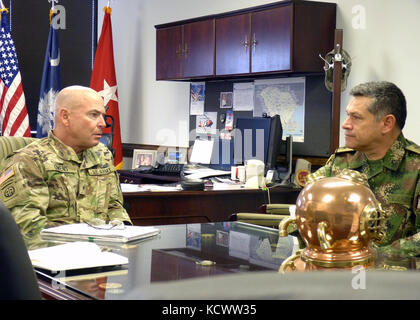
143	158
226	99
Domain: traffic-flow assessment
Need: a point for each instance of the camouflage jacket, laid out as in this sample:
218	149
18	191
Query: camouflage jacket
395	181
46	184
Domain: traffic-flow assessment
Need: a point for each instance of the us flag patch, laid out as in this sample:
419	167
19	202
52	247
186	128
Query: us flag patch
6	175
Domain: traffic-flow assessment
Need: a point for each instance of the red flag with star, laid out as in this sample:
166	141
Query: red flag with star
104	81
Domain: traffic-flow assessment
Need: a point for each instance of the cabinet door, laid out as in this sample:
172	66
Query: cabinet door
271	39
169	57
199	48
232	44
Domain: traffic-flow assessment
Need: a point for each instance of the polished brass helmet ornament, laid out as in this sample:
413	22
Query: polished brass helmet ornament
340	221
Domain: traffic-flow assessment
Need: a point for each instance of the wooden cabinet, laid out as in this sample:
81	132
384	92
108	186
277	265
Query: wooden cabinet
271	35
168	53
233	44
286	36
185	51
254	42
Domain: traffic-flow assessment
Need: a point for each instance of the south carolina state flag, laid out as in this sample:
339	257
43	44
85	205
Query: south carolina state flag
104	81
50	83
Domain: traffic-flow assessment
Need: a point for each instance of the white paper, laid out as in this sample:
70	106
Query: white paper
74	255
243	96
202	151
205	173
127	187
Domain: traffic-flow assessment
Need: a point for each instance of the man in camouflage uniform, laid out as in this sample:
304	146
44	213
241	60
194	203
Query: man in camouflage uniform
68	176
376	146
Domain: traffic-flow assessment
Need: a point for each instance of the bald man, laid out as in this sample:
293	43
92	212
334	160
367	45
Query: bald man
68	176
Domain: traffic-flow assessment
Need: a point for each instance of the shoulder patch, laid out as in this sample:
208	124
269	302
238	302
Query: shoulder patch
6	175
413	148
344	149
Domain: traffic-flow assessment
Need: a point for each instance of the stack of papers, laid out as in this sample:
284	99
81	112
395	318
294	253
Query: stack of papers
204	173
82	231
74	255
126	187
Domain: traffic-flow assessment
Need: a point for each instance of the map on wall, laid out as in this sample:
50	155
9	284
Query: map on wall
285	97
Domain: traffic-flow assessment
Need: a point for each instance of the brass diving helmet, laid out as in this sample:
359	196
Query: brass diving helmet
339	220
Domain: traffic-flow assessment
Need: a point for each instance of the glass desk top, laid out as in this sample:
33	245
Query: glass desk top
179	252
187	251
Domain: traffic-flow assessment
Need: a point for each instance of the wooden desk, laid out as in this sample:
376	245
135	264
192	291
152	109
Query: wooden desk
156	208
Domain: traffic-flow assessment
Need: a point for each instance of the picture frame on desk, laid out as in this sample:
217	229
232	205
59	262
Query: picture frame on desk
142	157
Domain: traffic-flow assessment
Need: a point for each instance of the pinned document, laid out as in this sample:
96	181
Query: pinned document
202	151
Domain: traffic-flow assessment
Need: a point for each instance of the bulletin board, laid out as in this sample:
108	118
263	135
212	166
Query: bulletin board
318	105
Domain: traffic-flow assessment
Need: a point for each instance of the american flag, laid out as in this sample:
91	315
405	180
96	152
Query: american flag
13	114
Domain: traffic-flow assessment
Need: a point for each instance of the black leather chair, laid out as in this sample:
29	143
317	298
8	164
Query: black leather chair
17	276
108	138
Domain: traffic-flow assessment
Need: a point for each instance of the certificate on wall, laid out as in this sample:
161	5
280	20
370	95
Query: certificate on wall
197	96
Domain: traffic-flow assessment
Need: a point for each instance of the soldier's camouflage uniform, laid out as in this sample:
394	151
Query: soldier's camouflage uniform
46	184
395	181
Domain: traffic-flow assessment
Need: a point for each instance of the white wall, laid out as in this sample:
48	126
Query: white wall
384	46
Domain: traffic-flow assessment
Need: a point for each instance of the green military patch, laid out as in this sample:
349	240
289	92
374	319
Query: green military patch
9	191
99	172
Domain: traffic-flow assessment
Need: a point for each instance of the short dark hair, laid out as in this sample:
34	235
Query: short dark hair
387	99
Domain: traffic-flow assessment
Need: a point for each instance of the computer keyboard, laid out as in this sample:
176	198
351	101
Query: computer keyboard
168	169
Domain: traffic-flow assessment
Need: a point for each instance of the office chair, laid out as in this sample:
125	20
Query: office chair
10	144
268	215
17	276
108	138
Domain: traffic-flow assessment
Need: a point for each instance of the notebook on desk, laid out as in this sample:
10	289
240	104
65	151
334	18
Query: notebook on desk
82	231
74	256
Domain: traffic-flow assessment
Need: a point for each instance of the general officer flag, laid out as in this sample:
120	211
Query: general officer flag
50	83
13	114
104	81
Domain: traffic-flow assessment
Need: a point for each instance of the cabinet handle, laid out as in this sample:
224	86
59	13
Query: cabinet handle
186	50
246	43
179	51
254	42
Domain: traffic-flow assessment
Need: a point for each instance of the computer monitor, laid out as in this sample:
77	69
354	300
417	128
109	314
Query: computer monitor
258	138
274	142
